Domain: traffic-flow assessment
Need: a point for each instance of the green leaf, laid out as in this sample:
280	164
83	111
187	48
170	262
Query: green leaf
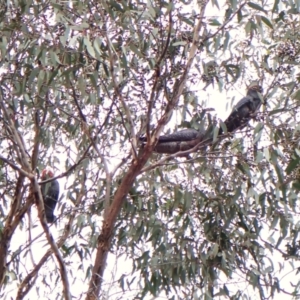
229	12
181	43
259	156
236	195
293	164
151	11
188	198
214	22
284	225
256	6
97	42
279	174
215	3
296	95
244	168
274	222
227	39
89	47
275	6
233	4
33	75
296	185
277	111
55	58
41	79
267	22
258	130
297	151
52	76
135	50
239	16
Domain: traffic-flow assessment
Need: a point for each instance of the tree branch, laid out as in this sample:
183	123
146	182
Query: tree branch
104	239
10	226
225	23
9	229
118	93
27	283
41	212
157	76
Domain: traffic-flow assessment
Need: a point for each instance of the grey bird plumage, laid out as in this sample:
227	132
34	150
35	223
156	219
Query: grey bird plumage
187	139
244	110
178	141
50	192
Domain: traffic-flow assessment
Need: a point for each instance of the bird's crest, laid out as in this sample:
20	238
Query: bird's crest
257	88
47	173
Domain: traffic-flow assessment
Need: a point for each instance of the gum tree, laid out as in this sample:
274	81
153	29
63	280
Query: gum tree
81	81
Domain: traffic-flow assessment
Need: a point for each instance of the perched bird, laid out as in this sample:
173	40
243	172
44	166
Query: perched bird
50	192
178	141
244	110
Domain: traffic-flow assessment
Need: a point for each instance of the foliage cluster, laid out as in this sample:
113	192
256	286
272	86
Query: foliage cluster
81	81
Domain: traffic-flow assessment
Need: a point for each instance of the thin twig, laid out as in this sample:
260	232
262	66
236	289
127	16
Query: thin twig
93	139
15	167
225	23
119	94
157	69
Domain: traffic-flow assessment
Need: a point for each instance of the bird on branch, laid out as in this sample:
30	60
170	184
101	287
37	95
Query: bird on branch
187	139
50	192
244	110
178	141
